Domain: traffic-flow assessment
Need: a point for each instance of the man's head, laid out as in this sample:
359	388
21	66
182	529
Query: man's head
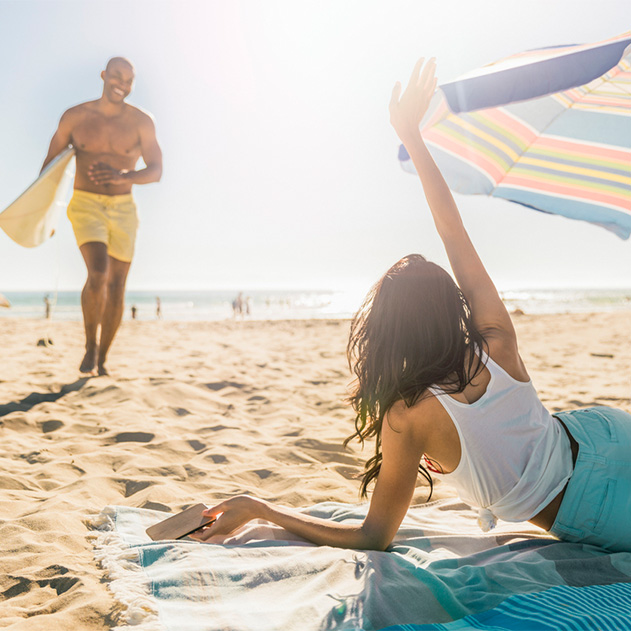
118	79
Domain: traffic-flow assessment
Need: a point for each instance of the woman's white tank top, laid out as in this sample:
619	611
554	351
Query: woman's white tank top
515	457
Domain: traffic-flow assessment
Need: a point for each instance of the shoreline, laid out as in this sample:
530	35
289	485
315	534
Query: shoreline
515	314
217	305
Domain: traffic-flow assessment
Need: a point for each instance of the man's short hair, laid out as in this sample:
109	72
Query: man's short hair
124	60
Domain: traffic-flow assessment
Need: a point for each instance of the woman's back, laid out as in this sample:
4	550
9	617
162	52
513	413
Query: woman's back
514	457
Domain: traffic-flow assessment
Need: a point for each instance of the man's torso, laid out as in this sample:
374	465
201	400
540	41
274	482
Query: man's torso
114	140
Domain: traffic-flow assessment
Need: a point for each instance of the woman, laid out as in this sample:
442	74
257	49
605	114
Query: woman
440	381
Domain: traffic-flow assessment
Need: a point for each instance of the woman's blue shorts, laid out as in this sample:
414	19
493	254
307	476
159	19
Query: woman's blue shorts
596	507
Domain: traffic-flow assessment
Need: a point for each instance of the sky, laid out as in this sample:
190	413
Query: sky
280	165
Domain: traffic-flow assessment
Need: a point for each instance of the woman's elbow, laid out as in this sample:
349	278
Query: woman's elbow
379	545
375	540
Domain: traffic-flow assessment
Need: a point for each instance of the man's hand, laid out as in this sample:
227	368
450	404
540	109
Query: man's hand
103	174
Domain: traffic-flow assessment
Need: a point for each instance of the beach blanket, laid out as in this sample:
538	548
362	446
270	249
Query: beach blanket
440	568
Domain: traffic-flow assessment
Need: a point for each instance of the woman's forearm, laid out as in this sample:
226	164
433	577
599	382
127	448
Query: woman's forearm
323	532
233	513
439	198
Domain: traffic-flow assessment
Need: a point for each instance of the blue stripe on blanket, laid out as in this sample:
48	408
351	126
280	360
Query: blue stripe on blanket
563	608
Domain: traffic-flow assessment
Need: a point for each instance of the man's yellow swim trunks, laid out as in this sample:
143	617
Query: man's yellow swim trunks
109	219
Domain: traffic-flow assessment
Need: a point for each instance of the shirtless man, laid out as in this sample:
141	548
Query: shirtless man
109	136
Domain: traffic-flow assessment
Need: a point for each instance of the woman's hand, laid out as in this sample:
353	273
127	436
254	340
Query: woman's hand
407	109
230	515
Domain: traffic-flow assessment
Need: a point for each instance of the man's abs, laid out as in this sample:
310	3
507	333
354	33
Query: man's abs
85	159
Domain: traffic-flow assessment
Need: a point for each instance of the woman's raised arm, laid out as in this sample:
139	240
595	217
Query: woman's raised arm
406	112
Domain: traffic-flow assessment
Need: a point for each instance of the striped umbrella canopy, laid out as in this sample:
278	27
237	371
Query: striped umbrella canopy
549	129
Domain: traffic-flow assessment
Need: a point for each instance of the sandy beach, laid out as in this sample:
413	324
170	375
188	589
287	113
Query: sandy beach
199	412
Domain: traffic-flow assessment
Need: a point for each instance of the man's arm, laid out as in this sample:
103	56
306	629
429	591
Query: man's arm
101	173
61	139
151	154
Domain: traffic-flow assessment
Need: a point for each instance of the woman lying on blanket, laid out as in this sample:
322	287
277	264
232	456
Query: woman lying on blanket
441	386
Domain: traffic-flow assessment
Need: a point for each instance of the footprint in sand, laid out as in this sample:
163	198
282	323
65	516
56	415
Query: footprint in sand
196	445
35	457
258	400
296	432
215	428
132	486
220	385
51	426
134	437
350	473
217	458
313	443
262	473
60	584
156	506
194	473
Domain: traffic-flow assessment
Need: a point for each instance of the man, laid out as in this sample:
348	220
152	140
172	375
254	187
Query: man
109	137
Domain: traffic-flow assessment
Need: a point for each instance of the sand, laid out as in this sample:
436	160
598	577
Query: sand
199	412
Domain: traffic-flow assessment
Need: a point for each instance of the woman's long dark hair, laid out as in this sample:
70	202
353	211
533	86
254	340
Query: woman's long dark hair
414	330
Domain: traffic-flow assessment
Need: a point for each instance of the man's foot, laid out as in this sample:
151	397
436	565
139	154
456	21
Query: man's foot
102	371
89	362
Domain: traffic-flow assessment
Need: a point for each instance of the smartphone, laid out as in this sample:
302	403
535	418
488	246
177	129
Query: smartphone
180	525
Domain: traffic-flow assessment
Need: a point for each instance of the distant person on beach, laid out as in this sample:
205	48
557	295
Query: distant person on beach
237	305
442	388
109	137
133	312
47	306
158	308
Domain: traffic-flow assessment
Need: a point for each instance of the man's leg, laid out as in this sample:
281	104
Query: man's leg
93	298
114	305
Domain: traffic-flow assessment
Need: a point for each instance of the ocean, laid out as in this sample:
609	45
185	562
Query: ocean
207	305
202	305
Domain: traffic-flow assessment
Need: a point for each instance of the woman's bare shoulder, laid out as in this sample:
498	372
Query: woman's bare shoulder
416	419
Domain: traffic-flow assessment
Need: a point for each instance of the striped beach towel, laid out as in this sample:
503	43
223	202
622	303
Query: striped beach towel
440	571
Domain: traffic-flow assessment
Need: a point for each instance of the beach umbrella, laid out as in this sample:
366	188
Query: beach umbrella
549	129
4	301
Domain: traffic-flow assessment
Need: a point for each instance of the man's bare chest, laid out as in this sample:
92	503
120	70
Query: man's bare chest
98	134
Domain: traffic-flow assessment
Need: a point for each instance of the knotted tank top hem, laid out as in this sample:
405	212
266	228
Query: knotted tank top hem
516	475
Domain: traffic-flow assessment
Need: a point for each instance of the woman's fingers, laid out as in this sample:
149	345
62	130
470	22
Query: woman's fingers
209	530
229	515
422	82
213	511
416	71
396	93
203	534
428	72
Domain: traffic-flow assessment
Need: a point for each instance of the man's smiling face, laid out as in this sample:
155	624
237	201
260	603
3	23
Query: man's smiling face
118	80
